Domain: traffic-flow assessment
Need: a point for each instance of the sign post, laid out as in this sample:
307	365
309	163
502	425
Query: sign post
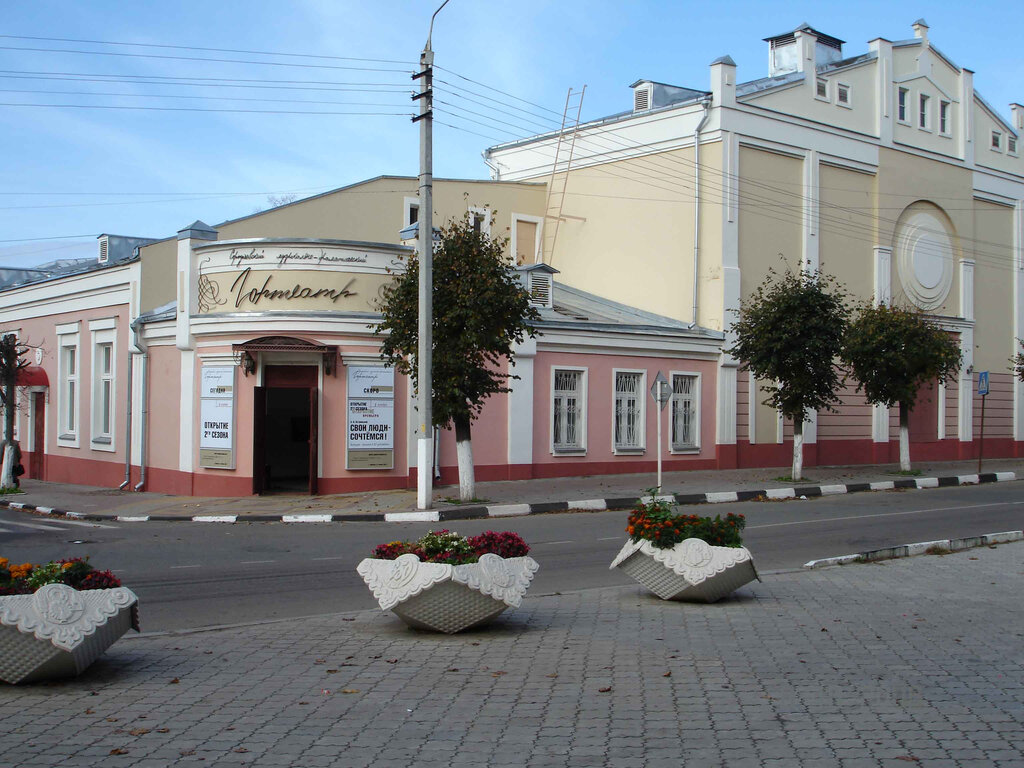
661	394
983	391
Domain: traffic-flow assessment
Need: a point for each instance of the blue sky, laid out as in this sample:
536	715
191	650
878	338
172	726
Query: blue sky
82	171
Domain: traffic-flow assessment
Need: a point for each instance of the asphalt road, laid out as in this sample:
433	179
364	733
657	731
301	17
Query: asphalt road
191	575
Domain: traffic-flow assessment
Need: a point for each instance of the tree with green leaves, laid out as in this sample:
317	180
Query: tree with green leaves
12	359
892	352
480	312
789	334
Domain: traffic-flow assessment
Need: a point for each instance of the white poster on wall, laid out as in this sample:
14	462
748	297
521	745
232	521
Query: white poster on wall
370	438
217	417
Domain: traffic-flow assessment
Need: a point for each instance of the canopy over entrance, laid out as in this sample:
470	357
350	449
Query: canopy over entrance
32	376
329	352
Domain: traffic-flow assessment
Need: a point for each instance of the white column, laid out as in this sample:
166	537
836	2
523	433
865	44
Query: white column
965	420
520	404
1018	305
725	422
186	278
810	255
883	295
967	289
725	431
189	416
883	275
883	89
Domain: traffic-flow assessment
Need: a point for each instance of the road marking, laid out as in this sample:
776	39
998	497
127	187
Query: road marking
886	514
340	557
254	562
186	566
610	538
86	525
6	530
33	525
567	541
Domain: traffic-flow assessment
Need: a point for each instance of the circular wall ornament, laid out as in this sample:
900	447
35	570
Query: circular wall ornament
924	256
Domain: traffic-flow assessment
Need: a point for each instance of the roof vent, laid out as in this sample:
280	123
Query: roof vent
104	249
540	289
641	99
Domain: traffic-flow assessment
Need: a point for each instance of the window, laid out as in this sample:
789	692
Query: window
480	218
821	90
1011	144
843	95
944	117
103	393
685	412
68	413
922	112
412	211
902	113
102	384
568	410
997	140
629	411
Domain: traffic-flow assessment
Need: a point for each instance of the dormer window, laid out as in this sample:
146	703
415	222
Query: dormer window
104	250
1011	144
997	141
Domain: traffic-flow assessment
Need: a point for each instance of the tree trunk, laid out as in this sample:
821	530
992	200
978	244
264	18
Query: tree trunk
7	471
464	451
904	437
798	449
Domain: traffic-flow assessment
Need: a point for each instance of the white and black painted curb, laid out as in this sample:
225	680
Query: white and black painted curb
517	510
939	546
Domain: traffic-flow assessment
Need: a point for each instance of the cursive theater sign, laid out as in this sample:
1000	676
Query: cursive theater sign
268	276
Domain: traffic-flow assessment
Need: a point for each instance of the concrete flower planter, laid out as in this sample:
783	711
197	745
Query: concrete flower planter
59	631
448	598
691	570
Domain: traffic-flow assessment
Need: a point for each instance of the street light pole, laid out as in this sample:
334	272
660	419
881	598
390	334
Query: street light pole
424	353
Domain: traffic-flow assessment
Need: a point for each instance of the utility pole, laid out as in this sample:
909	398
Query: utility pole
424	353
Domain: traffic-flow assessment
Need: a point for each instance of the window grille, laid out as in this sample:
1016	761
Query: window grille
567	411
684	412
628	410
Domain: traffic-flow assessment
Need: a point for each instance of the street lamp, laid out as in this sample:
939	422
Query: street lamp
425	427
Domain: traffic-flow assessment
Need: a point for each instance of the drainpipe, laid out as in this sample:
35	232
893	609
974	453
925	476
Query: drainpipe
128	429
696	201
144	398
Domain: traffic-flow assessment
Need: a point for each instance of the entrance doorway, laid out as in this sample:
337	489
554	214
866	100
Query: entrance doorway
37	458
285	432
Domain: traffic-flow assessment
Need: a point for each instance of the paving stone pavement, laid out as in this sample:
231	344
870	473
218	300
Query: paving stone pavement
905	662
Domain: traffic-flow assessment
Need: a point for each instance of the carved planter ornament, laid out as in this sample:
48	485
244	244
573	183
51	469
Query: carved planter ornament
448	598
58	631
691	570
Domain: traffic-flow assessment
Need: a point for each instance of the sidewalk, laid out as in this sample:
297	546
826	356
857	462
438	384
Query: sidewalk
495	498
913	661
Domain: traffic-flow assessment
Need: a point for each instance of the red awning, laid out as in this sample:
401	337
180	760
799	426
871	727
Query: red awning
32	376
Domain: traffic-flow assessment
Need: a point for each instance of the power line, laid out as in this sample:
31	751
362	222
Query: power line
197	109
197	58
197	48
204	98
189	79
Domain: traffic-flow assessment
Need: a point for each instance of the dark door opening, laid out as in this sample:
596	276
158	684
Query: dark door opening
285	431
37	461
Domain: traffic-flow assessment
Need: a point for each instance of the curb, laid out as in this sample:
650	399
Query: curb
516	510
939	546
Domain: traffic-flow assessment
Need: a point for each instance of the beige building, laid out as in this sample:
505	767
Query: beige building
885	168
